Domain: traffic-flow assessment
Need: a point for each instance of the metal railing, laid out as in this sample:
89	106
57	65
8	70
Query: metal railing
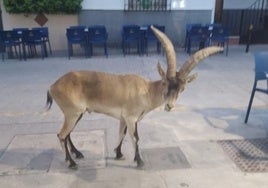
147	5
240	20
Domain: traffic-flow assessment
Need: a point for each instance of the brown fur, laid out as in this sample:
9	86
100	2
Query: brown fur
127	98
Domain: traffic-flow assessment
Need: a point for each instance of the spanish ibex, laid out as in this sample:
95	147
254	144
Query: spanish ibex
127	98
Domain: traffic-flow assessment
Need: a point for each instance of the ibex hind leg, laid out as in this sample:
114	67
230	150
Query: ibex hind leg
68	126
73	149
122	134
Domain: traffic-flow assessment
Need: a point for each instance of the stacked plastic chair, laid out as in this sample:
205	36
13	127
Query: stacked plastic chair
150	37
131	34
219	35
76	35
97	35
10	41
45	35
198	35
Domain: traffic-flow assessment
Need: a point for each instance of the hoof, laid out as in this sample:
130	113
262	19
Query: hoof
119	155
79	156
73	166
120	158
140	164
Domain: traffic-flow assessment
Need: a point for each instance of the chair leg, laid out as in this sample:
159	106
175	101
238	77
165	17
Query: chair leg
189	47
20	56
227	48
69	50
43	50
250	101
105	49
123	48
49	46
158	47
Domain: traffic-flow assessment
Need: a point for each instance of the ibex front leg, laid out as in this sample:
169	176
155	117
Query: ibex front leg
133	132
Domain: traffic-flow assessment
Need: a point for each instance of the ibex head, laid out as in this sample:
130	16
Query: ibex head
177	80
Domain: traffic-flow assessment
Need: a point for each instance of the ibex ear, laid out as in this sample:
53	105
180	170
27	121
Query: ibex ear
191	78
161	71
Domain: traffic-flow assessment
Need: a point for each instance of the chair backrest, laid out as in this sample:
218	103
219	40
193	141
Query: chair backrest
149	33
131	32
33	36
78	27
97	33
212	25
43	30
189	26
75	34
9	37
219	32
199	32
261	65
20	29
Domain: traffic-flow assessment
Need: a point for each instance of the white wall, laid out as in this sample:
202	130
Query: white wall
237	4
193	4
103	4
176	4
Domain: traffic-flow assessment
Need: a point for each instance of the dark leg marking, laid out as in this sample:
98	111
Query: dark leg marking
73	149
137	158
72	164
81	115
119	154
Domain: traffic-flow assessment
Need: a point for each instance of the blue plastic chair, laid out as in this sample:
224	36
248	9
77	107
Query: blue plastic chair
21	32
78	27
261	73
150	37
97	35
187	32
32	39
76	35
45	35
10	40
199	35
131	34
220	35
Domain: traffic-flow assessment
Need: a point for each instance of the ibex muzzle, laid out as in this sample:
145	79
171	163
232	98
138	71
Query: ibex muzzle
127	98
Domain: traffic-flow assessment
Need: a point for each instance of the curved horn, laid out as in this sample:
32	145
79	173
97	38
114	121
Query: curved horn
169	50
194	59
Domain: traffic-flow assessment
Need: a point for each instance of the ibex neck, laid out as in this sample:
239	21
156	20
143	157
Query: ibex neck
157	90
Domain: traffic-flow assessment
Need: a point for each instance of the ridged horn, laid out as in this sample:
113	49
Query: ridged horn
169	51
194	59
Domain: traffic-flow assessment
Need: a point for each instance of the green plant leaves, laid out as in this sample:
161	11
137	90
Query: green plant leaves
43	6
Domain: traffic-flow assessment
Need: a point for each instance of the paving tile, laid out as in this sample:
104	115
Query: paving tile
41	153
165	158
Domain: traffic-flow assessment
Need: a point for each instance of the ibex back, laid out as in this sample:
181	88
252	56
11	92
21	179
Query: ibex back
125	97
